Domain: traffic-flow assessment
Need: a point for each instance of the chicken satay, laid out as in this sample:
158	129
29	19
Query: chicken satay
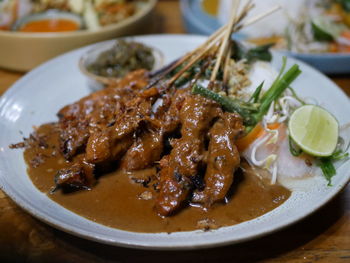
173	188
79	175
102	145
95	111
149	145
223	159
144	152
175	180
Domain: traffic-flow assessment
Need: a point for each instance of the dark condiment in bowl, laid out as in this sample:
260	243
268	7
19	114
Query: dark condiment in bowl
122	58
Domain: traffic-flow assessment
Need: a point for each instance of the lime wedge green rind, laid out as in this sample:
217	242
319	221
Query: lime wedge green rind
314	130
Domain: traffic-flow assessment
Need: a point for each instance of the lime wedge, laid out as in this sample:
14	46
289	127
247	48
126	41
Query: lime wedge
314	130
324	29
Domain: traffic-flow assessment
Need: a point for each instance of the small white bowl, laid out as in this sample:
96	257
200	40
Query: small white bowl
97	82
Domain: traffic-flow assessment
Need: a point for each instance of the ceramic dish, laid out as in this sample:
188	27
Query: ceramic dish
37	97
24	51
96	82
198	21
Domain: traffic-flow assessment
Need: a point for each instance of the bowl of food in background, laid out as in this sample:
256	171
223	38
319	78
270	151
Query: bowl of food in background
107	62
32	32
315	31
318	32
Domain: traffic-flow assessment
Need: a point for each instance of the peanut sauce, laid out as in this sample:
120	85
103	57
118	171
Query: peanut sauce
119	201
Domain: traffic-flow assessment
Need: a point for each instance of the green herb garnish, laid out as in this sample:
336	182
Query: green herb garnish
252	113
327	164
255	97
328	169
253	54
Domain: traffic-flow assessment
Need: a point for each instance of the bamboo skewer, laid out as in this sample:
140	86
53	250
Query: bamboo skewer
223	31
213	37
202	69
249	5
226	65
259	17
200	54
227	36
192	53
218	42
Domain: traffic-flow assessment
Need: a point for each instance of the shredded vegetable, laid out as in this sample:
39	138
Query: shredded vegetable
262	115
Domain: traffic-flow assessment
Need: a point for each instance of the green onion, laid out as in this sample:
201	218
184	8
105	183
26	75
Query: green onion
252	113
281	83
328	169
255	97
327	166
228	104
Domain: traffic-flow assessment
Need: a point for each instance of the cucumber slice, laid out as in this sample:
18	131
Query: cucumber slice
325	30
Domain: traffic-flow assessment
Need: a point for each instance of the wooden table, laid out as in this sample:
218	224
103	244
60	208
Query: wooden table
321	237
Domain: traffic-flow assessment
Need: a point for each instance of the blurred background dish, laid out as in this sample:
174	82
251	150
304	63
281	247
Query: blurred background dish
50	21
200	18
23	51
105	63
93	13
316	31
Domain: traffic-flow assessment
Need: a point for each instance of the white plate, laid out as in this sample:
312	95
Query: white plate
37	97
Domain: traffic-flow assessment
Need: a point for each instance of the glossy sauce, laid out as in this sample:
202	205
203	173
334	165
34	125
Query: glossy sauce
50	25
118	201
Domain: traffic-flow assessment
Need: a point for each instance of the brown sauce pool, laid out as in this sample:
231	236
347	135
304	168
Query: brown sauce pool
120	202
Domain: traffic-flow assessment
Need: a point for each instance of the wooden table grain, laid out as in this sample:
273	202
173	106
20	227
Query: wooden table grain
321	237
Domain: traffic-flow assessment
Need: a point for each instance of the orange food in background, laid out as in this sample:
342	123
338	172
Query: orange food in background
346	34
336	9
266	40
4	27
50	25
115	8
335	47
211	6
